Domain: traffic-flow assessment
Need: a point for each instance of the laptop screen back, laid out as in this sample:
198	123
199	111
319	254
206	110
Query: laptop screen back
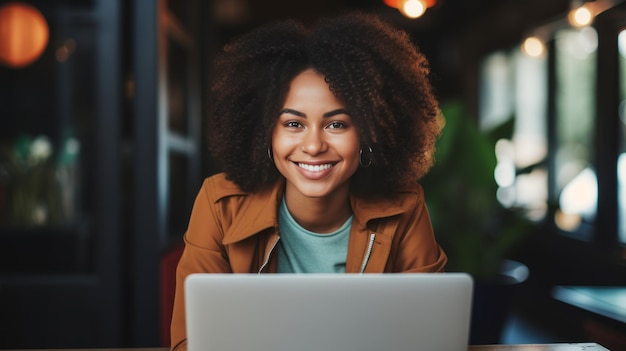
342	312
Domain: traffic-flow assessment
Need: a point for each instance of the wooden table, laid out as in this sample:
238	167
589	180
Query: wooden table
606	301
527	347
541	347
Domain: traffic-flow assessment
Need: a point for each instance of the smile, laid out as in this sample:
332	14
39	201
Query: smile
315	168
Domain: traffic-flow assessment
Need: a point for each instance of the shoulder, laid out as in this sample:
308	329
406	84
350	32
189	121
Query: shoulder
240	214
401	201
218	187
409	195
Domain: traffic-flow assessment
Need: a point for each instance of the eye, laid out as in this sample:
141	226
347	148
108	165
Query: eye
336	125
292	124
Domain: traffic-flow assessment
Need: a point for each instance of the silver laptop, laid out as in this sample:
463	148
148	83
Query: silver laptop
329	312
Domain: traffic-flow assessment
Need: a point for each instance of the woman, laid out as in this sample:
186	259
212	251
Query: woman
322	135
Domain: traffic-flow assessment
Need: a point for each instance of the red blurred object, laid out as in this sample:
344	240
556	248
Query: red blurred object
169	261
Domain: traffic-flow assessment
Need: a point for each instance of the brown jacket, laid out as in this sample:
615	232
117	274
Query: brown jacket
231	231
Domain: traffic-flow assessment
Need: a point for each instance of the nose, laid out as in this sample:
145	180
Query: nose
314	142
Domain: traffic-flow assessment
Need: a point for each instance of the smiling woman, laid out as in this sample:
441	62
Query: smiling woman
315	145
346	114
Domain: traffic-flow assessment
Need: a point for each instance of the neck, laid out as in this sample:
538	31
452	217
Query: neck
320	215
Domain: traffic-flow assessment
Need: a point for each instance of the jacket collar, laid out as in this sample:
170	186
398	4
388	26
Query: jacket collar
259	211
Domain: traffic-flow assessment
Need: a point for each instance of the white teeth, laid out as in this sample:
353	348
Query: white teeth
315	168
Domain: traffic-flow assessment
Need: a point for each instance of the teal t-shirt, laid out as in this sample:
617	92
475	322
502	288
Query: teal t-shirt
303	251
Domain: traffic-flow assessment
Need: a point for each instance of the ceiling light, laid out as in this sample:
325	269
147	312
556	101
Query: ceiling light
24	34
581	16
411	8
533	47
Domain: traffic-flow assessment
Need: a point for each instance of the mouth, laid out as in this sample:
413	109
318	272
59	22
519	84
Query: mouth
315	168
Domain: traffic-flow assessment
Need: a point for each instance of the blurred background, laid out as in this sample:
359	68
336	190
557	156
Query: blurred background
102	151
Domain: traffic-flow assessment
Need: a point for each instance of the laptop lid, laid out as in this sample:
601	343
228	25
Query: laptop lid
330	312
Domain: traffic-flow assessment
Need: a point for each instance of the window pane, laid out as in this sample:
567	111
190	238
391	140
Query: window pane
530	136
178	202
47	157
514	85
177	84
621	165
496	105
576	185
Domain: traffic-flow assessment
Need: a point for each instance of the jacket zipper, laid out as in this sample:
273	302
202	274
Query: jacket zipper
269	253
368	252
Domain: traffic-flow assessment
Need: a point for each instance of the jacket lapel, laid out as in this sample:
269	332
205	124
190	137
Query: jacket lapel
365	225
257	213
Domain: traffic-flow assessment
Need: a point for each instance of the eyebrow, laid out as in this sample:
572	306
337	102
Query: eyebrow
325	115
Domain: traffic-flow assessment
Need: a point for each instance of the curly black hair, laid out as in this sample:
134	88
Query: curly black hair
373	68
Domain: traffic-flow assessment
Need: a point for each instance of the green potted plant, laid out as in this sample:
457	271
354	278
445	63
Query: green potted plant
474	229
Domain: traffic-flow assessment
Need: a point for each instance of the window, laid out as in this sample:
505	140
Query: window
513	85
530	135
621	165
575	188
547	167
496	103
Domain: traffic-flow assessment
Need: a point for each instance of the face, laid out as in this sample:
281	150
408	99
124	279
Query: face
315	142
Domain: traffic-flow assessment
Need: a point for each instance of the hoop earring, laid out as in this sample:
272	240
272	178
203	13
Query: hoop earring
269	154
369	153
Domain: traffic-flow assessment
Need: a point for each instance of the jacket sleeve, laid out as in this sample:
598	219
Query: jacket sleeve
203	253
416	248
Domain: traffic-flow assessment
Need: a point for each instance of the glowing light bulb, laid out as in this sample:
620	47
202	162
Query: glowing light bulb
533	47
580	17
413	8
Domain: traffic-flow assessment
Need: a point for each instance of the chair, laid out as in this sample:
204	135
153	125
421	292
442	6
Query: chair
168	264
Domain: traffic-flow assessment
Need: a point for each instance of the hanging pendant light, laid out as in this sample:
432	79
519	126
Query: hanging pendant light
411	8
23	34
